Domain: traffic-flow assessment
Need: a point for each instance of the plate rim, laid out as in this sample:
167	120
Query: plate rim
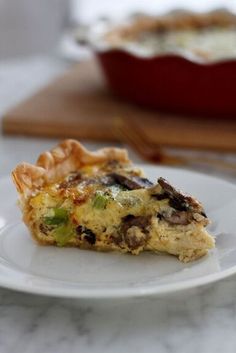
122	293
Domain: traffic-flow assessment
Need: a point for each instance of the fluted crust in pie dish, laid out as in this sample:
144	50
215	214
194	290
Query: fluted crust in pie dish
53	165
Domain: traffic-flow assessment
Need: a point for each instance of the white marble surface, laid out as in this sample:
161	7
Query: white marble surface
201	320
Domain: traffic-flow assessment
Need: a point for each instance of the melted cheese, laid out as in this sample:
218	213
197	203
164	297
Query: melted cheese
135	202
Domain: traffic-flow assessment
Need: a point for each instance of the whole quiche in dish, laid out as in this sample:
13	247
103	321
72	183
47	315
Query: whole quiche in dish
180	62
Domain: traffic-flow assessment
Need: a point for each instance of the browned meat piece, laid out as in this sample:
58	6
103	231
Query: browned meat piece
133	241
128	234
129	221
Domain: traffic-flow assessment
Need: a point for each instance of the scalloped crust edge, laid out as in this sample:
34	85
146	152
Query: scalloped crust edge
52	165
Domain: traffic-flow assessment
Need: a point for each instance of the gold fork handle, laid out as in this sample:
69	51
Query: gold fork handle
156	154
217	163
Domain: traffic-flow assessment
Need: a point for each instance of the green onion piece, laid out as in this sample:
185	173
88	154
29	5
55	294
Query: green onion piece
100	201
60	216
63	234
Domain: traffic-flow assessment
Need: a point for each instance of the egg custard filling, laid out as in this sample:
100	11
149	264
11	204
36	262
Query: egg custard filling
99	200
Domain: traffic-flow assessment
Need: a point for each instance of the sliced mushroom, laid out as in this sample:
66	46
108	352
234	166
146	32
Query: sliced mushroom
178	199
177	217
131	182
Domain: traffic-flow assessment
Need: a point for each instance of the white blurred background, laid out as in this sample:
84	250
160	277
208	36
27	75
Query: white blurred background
30	27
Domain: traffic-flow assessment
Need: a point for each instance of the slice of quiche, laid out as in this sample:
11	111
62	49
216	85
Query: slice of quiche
99	200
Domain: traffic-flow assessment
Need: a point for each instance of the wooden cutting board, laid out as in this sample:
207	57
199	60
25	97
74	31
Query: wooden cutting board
79	105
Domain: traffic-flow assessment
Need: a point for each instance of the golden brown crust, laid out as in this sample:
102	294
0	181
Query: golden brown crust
177	20
52	165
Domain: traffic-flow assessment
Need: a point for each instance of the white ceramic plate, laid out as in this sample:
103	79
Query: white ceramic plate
68	272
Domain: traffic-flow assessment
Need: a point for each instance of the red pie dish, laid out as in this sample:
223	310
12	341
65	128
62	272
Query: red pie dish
180	62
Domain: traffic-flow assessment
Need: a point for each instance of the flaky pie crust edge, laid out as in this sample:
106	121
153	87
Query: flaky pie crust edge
68	156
